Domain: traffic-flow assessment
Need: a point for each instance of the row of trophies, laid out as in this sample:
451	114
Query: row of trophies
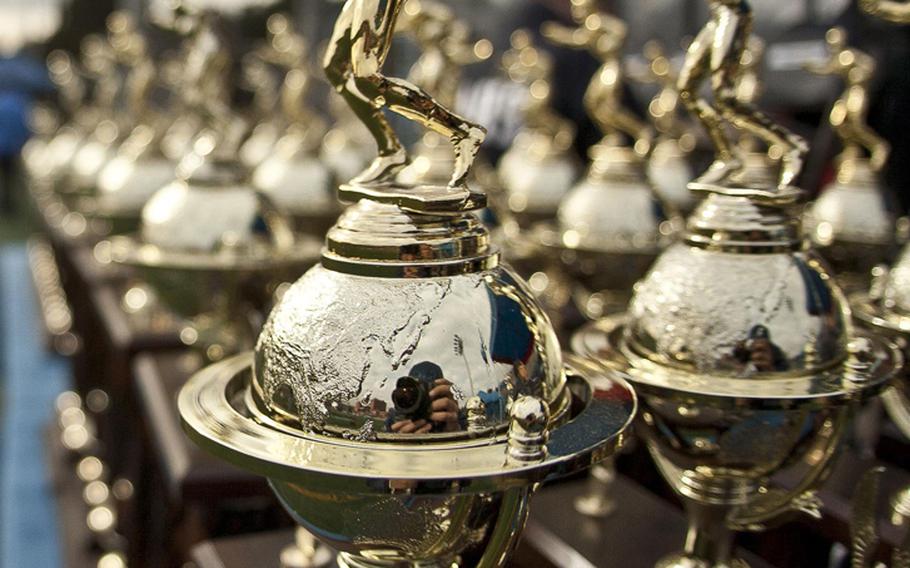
403	390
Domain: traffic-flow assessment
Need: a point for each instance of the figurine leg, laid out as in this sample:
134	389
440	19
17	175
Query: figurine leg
746	117
414	103
877	147
392	156
604	106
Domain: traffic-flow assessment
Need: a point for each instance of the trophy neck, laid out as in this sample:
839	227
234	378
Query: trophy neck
737	223
376	239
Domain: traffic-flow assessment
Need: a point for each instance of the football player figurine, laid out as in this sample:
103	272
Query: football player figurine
353	64
717	53
848	115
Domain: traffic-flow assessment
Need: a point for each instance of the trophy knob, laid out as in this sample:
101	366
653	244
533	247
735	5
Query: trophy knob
528	430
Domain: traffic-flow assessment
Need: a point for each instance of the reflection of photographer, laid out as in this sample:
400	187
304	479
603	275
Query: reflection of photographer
424	402
759	353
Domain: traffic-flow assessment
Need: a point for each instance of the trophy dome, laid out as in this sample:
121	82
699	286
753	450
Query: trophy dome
440	351
727	313
210	209
741	303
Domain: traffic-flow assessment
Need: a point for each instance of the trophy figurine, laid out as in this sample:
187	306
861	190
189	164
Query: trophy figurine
612	217
853	220
394	419
538	169
717	53
741	348
353	63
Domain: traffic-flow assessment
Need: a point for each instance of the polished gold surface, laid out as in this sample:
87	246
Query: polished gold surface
353	63
716	53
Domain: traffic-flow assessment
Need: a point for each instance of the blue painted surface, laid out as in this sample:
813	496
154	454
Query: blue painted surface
32	379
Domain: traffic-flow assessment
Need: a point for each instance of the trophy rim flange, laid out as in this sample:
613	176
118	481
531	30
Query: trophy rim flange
212	422
771	392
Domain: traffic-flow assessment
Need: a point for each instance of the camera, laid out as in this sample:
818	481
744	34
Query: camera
411	398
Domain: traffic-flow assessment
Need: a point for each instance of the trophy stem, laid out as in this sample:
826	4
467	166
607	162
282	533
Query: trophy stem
900	507
598	499
709	542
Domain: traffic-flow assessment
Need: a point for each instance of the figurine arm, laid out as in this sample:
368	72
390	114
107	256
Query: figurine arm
897	12
565	36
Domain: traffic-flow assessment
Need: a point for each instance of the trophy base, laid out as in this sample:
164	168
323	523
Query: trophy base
345	560
682	560
418	198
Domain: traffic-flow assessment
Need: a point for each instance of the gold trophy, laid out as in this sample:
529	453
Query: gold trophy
717	53
538	169
741	348
886	306
612	218
209	245
668	167
853	220
393	419
291	173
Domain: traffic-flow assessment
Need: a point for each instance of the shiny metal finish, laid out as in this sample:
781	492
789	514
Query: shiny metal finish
353	65
738	341
376	482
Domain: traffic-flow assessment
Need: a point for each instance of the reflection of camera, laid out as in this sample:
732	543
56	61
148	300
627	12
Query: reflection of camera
411	398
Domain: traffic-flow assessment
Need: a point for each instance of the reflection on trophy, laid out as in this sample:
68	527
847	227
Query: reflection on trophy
612	217
393	419
741	348
668	167
211	246
538	169
853	220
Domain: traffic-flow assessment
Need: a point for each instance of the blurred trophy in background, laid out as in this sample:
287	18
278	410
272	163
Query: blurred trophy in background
853	220
292	174
539	167
445	48
408	392
668	167
138	168
209	245
611	225
738	340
